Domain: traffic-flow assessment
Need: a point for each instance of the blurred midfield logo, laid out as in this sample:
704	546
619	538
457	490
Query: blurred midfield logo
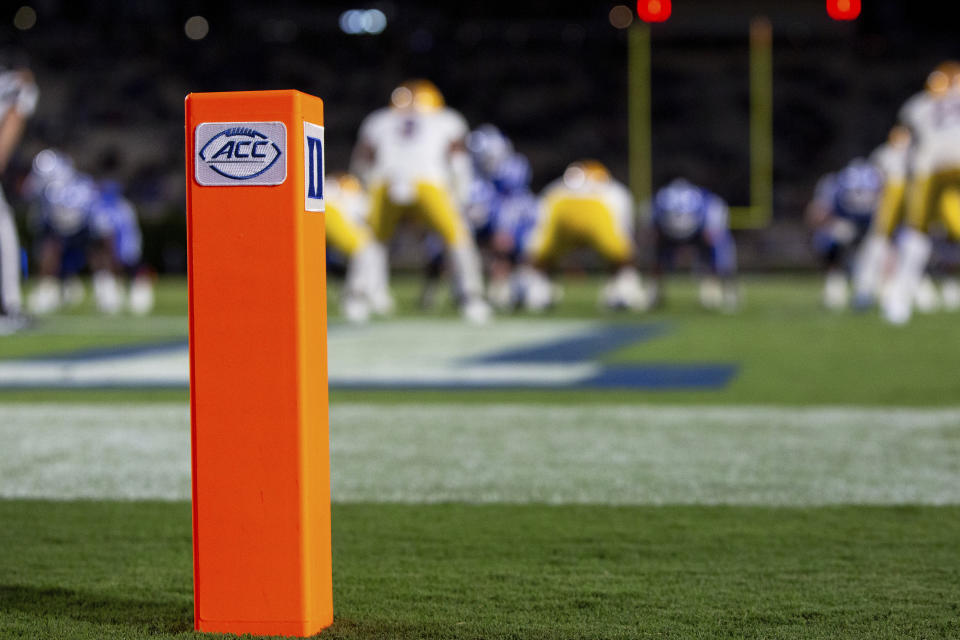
241	153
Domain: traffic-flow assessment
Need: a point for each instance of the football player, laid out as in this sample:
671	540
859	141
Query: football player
585	206
80	222
412	156
933	117
892	159
501	210
347	207
870	265
840	214
687	215
116	250
61	200
502	207
18	100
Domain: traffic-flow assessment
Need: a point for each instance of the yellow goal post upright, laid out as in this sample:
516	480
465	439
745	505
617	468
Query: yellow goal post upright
759	212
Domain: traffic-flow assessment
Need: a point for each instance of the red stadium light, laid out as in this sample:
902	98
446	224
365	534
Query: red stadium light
843	9
659	10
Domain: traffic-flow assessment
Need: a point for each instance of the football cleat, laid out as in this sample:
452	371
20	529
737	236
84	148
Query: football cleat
141	298
711	293
12	323
381	302
625	292
500	294
45	297
355	309
836	291
534	289
476	311
925	298
107	292
731	298
896	309
73	292
950	294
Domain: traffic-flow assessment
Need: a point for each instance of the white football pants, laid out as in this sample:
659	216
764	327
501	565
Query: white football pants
10	295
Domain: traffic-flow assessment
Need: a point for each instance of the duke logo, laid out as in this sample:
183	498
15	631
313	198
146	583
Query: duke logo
313	166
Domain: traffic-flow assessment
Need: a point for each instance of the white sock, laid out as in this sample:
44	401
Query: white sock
914	253
869	265
374	270
466	269
836	291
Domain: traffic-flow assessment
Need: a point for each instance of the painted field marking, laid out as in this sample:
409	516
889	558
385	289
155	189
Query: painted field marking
521	454
412	354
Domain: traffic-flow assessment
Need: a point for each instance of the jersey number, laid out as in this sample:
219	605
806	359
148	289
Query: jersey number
409	128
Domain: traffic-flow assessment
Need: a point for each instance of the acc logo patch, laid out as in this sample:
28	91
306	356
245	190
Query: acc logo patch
240	153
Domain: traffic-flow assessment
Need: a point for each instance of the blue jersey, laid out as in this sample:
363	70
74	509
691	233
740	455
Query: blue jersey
852	193
62	207
501	201
114	218
71	206
517	216
512	174
683	211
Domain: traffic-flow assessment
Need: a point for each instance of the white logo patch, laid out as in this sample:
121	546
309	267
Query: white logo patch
240	153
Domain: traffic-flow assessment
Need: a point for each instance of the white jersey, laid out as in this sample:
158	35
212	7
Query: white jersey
611	193
935	124
410	147
892	160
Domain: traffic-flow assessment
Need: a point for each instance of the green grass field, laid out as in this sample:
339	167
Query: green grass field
123	570
815	496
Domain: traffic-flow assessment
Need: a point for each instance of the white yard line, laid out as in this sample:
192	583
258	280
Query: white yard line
521	453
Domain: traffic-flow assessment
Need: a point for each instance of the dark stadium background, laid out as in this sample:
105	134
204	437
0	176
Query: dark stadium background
113	75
